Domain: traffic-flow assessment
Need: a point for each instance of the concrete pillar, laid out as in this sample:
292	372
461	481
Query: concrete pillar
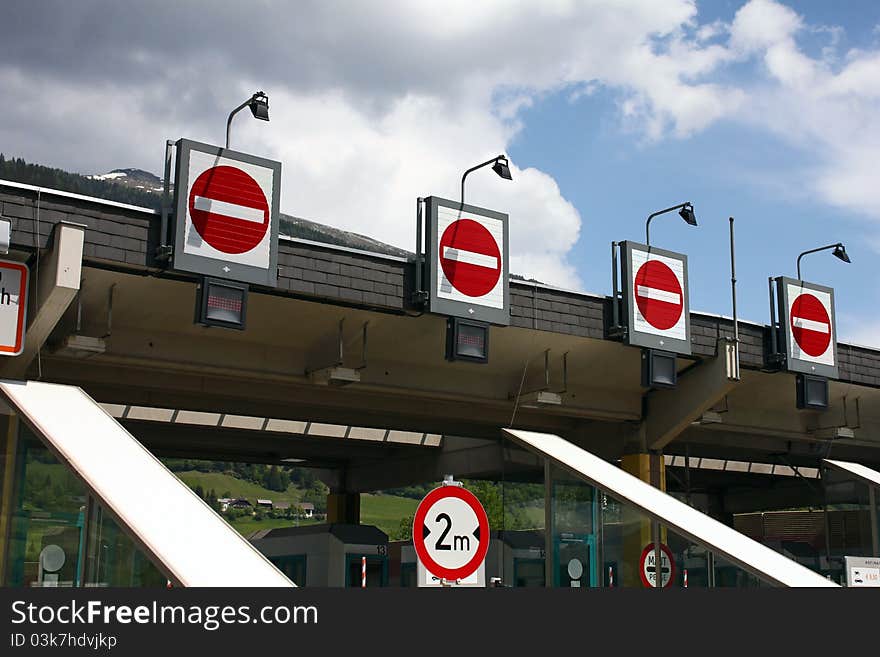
344	508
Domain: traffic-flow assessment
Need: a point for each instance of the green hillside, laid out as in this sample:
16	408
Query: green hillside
222	483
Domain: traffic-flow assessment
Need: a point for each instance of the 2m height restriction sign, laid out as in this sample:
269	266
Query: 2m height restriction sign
451	533
656	298
808	327
227	213
467	261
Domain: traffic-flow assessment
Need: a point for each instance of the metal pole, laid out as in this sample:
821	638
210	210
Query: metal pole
615	312
233	113
166	200
419	202
479	166
733	284
774	349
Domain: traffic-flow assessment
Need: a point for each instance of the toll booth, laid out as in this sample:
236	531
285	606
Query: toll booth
515	559
327	555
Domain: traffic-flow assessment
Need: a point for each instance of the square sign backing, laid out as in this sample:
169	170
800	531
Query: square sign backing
226	213
467	262
655	298
808	329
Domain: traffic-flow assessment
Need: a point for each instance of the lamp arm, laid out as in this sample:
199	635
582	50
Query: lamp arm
479	166
821	248
233	113
659	212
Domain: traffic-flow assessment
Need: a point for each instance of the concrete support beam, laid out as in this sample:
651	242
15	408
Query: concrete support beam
52	288
669	412
462	463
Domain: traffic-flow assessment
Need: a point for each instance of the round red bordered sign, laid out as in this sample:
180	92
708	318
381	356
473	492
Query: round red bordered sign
658	294
470	257
229	209
667	566
451	533
810	325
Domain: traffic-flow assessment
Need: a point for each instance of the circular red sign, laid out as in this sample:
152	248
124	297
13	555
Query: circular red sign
810	325
481	532
470	257
658	294
643	562
229	209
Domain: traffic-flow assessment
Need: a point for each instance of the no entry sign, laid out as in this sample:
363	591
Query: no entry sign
229	209
470	258
227	213
656	298
451	533
648	570
808	330
467	261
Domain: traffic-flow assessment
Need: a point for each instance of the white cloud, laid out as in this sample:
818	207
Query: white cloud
375	104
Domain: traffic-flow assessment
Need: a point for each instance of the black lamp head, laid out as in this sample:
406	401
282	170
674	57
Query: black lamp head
687	213
259	105
840	252
502	168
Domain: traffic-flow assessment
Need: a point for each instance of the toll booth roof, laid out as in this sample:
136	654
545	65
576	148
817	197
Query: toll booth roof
347	533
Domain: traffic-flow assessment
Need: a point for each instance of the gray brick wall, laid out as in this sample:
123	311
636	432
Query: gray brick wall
127	238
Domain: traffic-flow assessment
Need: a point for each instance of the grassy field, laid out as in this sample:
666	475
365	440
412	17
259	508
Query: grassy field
223	483
386	511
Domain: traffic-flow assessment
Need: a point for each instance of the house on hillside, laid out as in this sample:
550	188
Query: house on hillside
306	509
264	504
234	503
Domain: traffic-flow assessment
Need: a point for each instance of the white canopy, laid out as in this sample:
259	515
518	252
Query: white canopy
741	550
168	521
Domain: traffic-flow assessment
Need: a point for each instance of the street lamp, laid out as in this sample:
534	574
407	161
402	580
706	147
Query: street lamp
499	166
839	252
259	104
685	211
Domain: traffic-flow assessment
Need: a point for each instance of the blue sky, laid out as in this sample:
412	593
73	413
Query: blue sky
767	110
616	178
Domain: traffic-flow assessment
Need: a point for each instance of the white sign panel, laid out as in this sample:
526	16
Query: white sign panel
862	571
13	307
810	325
658	295
471	257
450	534
228	212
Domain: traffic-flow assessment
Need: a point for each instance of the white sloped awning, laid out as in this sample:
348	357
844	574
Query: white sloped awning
737	548
168	521
856	470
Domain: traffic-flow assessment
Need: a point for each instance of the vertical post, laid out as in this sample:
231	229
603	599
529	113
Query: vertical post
875	520
548	525
162	250
363	572
774	349
733	285
419	272
615	312
610	577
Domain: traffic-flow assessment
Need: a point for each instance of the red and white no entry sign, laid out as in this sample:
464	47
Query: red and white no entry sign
470	257
451	533
810	324
229	209
658	294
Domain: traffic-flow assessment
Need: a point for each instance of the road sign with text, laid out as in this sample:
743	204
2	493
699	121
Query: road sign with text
13	307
